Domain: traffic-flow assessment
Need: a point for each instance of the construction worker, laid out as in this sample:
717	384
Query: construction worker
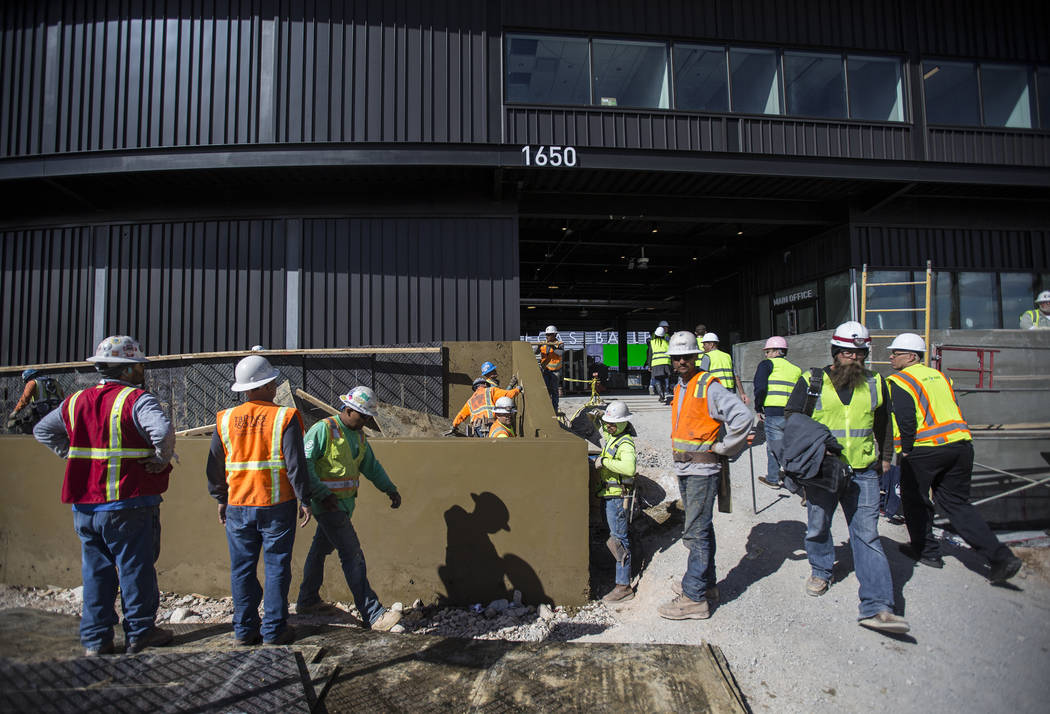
257	471
700	330
481	406
551	353
489	373
937	456
117	443
503	427
337	454
1038	318
659	362
42	393
853	403
700	410
720	364
775	377
615	467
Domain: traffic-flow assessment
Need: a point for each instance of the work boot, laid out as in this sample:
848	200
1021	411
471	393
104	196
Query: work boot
681	607
317	608
156	637
816	586
766	482
386	621
1004	570
284	637
915	554
247	640
620	593
103	649
711	594
885	621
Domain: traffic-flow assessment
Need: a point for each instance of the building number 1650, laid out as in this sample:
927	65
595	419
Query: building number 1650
549	155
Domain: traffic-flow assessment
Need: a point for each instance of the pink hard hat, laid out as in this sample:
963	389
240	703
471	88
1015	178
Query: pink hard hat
776	343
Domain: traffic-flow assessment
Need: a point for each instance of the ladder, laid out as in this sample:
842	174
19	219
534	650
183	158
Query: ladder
925	310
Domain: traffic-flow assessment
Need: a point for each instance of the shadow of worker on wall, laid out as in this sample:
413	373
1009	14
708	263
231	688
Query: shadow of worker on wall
474	572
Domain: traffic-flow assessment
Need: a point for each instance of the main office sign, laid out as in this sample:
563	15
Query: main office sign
793	298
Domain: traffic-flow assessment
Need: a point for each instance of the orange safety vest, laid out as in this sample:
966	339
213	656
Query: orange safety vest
499	431
692	428
938	419
550	357
481	406
251	435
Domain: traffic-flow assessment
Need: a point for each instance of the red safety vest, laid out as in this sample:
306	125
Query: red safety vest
106	448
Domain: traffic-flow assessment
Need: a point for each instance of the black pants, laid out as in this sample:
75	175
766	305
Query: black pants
946	470
661	374
553	381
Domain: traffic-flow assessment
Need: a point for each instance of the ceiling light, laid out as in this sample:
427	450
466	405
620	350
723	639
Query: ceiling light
530	307
552	287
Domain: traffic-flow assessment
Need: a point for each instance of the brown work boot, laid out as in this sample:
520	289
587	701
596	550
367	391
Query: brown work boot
620	593
386	621
681	607
711	594
885	621
155	637
816	586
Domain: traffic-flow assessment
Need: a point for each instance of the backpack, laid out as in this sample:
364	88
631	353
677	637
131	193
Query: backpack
834	473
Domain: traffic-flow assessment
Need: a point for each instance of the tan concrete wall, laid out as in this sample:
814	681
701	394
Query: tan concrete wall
437	539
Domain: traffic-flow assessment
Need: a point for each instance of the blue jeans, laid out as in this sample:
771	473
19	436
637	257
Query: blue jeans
553	381
117	546
860	503
335	532
891	481
698	533
250	529
616	516
774	436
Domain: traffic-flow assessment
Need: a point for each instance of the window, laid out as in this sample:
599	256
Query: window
1043	80
1007	101
941	301
976	310
895	297
548	70
814	85
1016	296
875	90
836	299
631	74
756	88
701	78
951	92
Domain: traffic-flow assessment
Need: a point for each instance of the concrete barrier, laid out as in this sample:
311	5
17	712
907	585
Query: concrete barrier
479	519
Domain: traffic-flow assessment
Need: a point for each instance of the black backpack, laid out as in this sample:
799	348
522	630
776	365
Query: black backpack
834	474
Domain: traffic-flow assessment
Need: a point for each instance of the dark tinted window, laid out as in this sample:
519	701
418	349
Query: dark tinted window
951	93
701	78
814	85
548	70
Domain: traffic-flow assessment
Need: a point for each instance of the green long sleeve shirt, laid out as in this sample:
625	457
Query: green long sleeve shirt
316	445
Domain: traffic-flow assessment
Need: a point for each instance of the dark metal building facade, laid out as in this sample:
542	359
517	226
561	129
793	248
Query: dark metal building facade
212	175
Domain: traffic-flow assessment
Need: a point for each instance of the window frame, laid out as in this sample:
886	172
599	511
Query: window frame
1032	72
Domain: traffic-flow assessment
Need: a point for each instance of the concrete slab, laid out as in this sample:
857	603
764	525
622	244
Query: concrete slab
354	670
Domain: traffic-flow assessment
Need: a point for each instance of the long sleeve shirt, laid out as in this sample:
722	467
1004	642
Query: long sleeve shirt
904	413
294	461
726	407
464	413
316	444
27	396
625	462
882	427
761	386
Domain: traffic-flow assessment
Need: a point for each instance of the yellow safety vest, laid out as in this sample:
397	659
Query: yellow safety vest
938	419
781	382
660	356
338	468
499	431
851	424
614	484
720	365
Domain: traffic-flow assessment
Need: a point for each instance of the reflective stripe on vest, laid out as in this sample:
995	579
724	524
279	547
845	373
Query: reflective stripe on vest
696	430
781	382
116	452
340	467
938	419
551	359
613	484
660	356
720	364
851	424
275	464
481	406
499	431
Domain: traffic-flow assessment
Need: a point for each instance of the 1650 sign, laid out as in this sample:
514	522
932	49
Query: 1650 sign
549	155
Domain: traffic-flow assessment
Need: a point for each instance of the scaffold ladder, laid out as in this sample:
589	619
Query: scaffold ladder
925	309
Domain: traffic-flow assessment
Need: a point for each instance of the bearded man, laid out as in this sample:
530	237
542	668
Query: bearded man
853	403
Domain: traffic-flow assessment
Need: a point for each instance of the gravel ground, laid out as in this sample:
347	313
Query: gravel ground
973	646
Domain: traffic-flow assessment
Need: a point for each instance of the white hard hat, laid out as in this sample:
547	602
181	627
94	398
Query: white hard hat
776	343
709	337
616	413
361	399
505	405
257	348
851	335
252	372
909	342
1042	297
683	342
551	330
663	323
118	349
660	332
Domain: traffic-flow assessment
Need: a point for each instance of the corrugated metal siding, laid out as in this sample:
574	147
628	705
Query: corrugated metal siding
94	76
47	292
195	287
385	281
797	137
988	146
619	129
951	249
